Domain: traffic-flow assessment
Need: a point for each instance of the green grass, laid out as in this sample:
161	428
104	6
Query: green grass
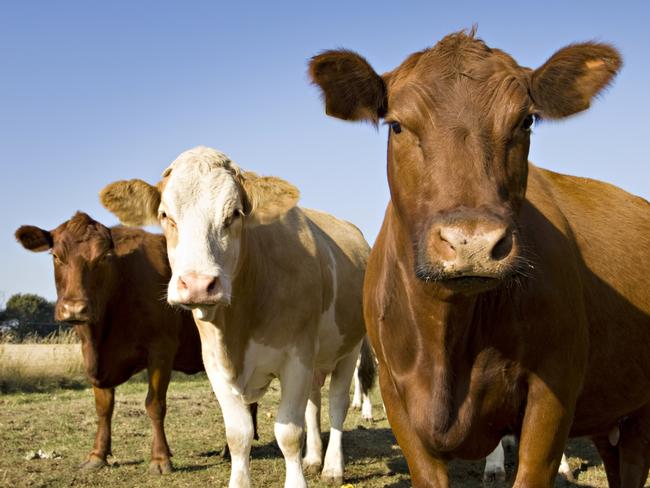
63	420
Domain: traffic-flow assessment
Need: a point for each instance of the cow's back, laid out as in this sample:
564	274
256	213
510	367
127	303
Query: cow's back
611	232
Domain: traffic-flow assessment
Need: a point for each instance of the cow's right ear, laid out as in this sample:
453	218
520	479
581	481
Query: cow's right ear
134	202
352	90
34	238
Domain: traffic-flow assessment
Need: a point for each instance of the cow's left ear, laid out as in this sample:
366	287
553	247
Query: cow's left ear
266	197
568	81
134	202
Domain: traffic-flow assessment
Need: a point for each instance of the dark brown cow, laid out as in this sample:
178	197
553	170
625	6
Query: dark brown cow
110	285
500	297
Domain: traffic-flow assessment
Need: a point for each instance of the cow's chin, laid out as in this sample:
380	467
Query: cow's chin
205	313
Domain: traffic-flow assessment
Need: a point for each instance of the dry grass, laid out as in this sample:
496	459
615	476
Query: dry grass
40	367
64	421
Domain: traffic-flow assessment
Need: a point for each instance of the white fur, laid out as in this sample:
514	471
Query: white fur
495	462
200	196
361	399
495	465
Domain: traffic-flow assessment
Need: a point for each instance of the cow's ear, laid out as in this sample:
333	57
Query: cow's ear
34	238
134	202
266	197
351	89
572	77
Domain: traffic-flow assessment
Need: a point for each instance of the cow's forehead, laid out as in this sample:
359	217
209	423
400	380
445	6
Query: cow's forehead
81	232
202	179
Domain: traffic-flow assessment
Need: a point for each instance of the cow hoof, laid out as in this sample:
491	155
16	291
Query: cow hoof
333	480
311	467
496	476
93	463
162	466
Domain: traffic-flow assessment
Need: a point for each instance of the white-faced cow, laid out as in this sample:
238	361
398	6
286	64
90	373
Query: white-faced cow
500	297
275	291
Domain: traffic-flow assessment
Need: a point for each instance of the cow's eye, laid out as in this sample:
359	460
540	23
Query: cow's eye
164	219
107	255
57	259
396	127
528	122
235	215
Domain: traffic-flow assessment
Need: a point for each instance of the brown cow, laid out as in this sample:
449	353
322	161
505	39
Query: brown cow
500	297
110	285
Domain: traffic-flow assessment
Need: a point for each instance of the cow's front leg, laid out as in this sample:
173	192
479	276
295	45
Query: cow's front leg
426	471
296	381
104	403
239	429
544	433
160	370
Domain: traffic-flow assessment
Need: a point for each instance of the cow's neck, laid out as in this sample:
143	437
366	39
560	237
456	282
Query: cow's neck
447	329
234	325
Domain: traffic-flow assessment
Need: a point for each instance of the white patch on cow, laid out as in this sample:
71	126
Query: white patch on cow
261	364
361	399
200	196
495	465
356	397
565	469
329	336
236	414
366	408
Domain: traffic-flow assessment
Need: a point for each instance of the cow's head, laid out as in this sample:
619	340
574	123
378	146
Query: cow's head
460	116
85	269
204	204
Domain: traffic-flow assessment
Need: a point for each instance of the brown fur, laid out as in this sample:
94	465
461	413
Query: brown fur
554	345
120	273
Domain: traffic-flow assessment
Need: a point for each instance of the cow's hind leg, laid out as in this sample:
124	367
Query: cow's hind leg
634	449
495	465
339	395
313	459
156	404
610	456
104	403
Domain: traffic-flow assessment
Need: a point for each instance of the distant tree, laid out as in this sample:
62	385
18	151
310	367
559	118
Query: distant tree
26	313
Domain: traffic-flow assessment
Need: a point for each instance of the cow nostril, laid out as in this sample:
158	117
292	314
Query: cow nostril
503	247
447	239
212	285
182	285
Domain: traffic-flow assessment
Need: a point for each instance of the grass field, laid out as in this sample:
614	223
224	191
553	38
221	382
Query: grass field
63	421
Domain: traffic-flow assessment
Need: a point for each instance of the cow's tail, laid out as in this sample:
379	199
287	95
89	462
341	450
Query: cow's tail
367	371
365	379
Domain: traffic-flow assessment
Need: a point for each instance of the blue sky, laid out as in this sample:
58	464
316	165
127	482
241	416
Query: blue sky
91	92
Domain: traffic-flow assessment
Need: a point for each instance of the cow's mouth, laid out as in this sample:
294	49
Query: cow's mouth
76	322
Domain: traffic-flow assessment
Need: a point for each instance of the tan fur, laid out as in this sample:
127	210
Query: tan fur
268	196
145	212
